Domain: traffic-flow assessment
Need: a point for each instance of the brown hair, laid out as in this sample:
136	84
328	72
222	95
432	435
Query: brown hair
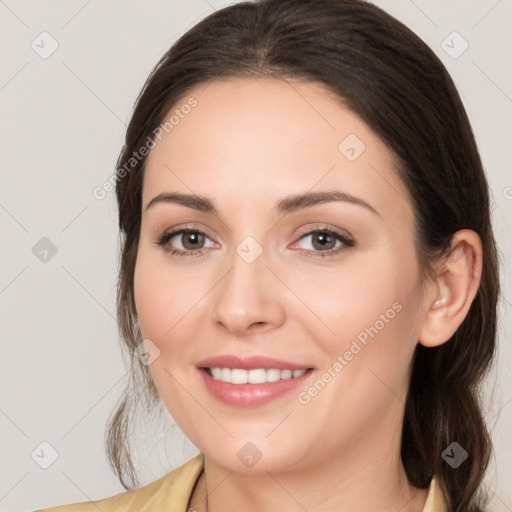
395	83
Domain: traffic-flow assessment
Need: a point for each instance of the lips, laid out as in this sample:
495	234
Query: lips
282	376
249	363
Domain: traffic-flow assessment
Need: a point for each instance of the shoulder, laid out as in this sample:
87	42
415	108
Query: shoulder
170	492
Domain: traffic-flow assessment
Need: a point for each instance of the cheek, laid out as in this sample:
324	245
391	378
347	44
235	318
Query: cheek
166	317
151	294
372	316
156	290
359	301
169	303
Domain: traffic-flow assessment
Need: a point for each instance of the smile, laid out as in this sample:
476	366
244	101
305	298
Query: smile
255	376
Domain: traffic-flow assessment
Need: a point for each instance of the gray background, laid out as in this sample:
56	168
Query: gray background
63	119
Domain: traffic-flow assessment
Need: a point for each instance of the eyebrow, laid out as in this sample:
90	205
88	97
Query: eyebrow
286	205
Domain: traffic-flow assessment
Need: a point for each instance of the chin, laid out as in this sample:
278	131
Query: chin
255	456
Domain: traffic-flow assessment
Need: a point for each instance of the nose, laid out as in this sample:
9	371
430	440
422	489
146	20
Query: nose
249	298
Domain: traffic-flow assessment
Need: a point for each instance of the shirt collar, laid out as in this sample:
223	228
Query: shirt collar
435	499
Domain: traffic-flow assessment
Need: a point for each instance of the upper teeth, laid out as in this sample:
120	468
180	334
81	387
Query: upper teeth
256	376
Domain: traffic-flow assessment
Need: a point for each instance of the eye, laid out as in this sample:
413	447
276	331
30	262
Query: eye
184	242
324	242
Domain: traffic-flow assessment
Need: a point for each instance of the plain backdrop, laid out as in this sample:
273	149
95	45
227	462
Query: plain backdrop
63	117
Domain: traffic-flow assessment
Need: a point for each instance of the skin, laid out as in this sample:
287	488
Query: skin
246	145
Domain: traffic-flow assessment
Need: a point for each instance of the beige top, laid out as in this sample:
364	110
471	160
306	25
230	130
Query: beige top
172	493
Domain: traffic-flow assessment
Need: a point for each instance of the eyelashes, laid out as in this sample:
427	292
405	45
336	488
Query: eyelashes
167	237
321	237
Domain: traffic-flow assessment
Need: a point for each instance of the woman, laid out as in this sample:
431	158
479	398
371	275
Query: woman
309	276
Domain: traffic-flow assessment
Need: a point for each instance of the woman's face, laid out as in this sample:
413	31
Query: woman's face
331	286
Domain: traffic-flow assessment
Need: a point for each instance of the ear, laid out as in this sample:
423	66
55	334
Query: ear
450	294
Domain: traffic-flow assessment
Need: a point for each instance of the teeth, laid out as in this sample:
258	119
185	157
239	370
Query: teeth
256	376
273	375
286	374
238	376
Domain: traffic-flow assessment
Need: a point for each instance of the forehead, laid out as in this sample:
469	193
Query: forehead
267	138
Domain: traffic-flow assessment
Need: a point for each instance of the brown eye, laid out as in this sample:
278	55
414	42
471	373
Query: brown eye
191	240
184	241
324	242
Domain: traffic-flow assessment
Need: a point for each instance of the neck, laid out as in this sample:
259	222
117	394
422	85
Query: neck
363	479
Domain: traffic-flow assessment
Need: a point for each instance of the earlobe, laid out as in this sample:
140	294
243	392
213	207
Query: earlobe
453	289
